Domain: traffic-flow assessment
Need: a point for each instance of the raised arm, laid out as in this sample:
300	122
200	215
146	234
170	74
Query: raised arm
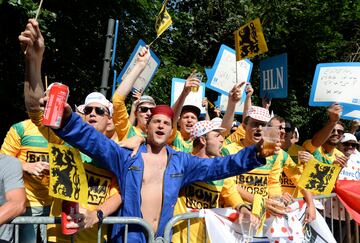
234	97
247	104
129	79
32	41
334	113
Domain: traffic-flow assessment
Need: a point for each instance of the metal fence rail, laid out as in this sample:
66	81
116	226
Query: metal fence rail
337	230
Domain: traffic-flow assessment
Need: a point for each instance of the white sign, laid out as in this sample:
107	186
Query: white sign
222	77
194	98
223	101
336	82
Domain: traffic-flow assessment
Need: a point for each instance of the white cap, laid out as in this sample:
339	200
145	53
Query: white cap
96	97
217	121
348	137
203	127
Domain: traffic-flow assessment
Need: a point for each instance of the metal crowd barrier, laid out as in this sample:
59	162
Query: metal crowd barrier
351	235
43	221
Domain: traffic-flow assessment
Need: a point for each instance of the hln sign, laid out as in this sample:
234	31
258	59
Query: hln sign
273	77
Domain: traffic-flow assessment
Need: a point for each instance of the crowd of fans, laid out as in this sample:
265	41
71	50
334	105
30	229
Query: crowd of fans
159	161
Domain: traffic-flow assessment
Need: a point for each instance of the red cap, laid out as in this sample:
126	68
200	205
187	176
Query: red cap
163	110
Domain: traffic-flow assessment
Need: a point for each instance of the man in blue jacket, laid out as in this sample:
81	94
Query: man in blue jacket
150	181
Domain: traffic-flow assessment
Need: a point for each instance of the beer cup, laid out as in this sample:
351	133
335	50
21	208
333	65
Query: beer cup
271	136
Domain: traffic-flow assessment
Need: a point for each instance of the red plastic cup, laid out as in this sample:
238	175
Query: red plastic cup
68	208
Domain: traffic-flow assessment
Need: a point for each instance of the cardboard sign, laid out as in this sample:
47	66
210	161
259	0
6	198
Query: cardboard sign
273	77
336	82
222	102
222	76
194	98
145	77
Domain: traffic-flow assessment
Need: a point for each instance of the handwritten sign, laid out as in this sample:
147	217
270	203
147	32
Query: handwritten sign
273	77
145	77
222	77
222	102
336	82
194	98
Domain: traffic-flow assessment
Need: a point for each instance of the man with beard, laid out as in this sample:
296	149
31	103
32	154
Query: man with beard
323	144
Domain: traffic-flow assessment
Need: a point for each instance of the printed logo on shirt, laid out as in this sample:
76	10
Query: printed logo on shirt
253	183
99	187
285	181
32	156
198	197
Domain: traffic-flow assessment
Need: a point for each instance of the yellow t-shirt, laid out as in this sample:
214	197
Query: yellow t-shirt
123	127
264	180
102	184
236	136
25	142
203	195
320	154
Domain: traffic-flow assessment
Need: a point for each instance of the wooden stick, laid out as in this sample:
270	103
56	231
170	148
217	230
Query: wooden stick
36	17
46	82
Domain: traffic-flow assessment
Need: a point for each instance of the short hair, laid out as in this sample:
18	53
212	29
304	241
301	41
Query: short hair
278	118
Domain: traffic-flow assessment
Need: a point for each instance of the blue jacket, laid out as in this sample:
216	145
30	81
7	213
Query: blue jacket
182	169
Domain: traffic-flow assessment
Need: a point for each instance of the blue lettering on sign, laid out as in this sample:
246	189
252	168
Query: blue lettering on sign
273	77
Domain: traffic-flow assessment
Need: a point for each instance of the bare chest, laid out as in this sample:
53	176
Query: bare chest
154	167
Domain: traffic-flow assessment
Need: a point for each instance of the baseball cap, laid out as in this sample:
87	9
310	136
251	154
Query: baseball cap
348	137
259	113
217	121
146	99
96	97
191	108
203	127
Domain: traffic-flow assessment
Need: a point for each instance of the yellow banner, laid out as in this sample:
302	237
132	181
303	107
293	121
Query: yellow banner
319	178
259	210
67	174
163	20
249	40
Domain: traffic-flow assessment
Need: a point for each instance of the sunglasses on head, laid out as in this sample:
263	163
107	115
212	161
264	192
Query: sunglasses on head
347	144
339	131
144	109
98	110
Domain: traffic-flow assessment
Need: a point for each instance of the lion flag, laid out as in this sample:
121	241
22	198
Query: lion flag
249	40
67	174
259	210
163	20
319	178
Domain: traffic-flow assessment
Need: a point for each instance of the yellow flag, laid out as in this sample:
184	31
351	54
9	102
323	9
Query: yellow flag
259	210
249	40
319	178
163	20
67	174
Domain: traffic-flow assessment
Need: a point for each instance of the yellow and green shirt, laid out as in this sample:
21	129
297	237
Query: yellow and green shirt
179	144
320	154
25	141
265	180
203	195
236	136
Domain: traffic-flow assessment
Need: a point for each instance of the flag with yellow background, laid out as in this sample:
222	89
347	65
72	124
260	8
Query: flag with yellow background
67	175
250	40
319	178
163	20
259	210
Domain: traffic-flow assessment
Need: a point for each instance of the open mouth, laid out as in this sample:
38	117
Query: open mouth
92	121
257	135
160	133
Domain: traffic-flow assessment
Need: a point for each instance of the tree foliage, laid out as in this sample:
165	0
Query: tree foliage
309	31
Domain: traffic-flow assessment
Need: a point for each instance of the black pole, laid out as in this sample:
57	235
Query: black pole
107	57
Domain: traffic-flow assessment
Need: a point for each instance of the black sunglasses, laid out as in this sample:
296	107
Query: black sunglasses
339	131
98	110
144	109
347	144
